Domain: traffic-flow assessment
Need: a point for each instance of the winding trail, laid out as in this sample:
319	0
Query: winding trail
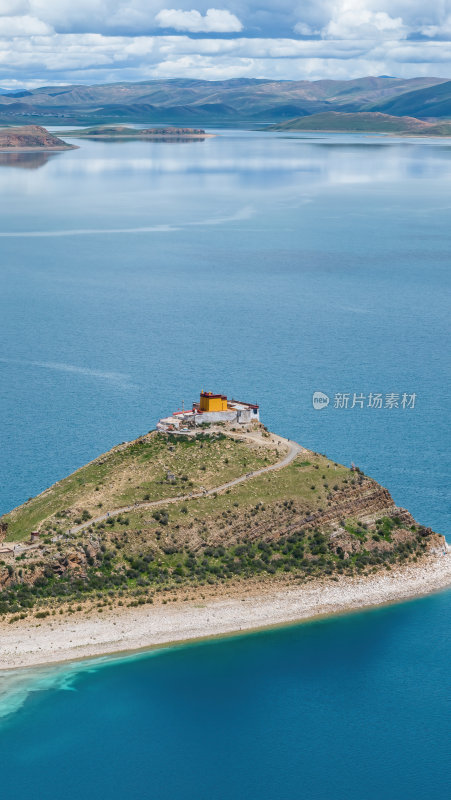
293	450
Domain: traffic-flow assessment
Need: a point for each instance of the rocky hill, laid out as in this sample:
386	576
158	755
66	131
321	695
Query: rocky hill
30	137
123	132
169	512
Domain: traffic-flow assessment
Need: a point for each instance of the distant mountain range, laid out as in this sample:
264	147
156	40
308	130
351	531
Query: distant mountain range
186	102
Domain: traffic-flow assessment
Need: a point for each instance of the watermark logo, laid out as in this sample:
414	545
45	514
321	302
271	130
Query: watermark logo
375	400
320	400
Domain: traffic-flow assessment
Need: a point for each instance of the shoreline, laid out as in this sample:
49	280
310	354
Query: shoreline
395	134
167	137
55	640
39	149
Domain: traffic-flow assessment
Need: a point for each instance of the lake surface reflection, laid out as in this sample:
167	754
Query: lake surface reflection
267	267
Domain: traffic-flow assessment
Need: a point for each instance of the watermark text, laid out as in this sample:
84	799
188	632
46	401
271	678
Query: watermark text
375	400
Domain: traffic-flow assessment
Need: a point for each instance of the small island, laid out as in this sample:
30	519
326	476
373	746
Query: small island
123	132
363	122
208	525
30	138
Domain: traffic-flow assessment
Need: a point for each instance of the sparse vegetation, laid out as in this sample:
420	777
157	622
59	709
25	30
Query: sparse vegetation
276	524
303	553
146	462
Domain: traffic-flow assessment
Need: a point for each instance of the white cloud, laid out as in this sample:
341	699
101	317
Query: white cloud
85	58
353	19
11	8
44	41
305	30
216	20
23	26
442	31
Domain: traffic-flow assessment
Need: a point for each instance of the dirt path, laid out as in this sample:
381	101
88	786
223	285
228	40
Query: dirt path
293	450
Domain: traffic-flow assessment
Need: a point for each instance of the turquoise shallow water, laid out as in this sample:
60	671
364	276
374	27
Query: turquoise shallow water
349	707
135	274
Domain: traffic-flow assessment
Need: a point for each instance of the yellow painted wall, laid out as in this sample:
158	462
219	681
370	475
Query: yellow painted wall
209	403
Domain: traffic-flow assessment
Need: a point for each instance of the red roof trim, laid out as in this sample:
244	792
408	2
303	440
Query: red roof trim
210	395
250	405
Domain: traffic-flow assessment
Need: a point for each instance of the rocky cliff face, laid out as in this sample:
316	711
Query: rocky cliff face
364	503
361	527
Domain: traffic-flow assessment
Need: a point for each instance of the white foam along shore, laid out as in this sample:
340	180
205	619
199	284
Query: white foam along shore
33	642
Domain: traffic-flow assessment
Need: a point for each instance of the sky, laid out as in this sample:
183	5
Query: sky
101	41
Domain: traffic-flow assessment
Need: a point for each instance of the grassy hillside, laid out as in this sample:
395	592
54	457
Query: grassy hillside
311	518
147	469
432	101
364	122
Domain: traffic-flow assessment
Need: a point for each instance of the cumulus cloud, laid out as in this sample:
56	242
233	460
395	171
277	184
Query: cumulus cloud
45	41
216	20
9	8
304	29
23	26
352	19
369	19
441	32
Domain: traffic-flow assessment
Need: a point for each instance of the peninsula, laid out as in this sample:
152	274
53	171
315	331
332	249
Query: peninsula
30	138
123	132
364	122
204	527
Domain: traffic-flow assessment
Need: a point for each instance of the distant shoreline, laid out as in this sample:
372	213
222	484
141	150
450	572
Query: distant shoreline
245	608
113	136
397	135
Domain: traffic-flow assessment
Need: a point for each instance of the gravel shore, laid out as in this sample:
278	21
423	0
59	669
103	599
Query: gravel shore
33	642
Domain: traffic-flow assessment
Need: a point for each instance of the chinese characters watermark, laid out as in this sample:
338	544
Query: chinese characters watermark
376	400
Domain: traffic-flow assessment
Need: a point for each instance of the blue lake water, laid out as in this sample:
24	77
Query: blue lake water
132	276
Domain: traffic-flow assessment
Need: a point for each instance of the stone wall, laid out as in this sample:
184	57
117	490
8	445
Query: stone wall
241	415
216	416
